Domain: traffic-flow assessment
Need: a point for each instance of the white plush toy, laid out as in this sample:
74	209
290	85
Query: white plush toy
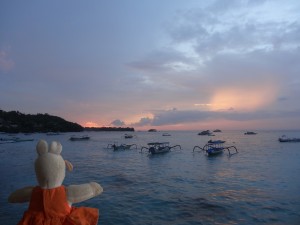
51	202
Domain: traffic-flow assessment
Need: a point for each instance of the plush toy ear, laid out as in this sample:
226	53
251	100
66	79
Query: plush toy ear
69	165
42	147
55	147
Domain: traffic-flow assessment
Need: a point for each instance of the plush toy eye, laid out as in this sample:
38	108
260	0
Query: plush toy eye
55	147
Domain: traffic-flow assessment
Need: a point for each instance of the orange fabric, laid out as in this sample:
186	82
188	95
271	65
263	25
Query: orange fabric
50	207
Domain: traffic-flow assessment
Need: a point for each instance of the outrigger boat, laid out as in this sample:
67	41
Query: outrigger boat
284	138
159	147
117	147
216	147
128	136
80	138
206	132
7	140
13	140
52	133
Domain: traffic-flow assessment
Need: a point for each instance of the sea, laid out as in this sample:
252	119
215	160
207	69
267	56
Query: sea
258	185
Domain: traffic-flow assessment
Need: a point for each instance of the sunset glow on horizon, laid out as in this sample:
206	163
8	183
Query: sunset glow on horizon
244	100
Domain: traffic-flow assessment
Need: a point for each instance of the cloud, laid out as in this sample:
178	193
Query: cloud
166	60
6	63
143	122
283	98
175	117
171	117
209	33
251	52
117	123
243	28
220	6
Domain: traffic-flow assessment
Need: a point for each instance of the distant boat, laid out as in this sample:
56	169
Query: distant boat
166	134
206	132
284	138
23	140
53	133
5	141
217	130
152	130
250	133
128	136
79	138
13	140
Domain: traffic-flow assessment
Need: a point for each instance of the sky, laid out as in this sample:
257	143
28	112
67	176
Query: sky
168	65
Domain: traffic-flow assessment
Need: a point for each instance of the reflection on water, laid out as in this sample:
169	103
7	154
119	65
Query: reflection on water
259	185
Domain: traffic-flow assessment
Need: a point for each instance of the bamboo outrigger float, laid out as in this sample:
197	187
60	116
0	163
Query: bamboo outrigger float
216	147
159	147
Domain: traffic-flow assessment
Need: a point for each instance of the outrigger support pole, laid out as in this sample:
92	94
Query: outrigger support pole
228	148
175	146
134	145
143	148
198	147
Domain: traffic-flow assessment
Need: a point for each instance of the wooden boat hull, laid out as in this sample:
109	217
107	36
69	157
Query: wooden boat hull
214	151
121	147
289	140
23	140
159	150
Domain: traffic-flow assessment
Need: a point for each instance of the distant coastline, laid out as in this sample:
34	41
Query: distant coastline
17	122
109	129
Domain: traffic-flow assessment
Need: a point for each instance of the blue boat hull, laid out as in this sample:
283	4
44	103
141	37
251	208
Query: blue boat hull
214	151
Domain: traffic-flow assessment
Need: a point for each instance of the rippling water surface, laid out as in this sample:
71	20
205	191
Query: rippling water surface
259	185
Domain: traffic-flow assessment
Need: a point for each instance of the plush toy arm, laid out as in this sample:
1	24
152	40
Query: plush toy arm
82	192
20	195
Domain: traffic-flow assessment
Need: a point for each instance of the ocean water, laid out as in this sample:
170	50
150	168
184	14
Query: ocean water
259	185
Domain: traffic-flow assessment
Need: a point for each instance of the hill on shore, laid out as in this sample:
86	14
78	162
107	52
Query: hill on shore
15	122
